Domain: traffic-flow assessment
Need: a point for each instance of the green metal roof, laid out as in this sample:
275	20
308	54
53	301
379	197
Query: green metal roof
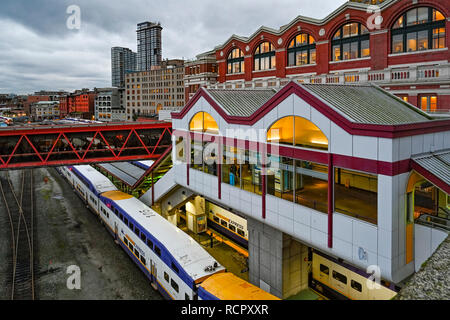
367	104
241	102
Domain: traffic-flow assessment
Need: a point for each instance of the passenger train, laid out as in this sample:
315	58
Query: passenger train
228	224
175	263
143	164
337	280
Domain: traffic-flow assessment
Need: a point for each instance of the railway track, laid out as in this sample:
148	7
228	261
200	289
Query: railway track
19	205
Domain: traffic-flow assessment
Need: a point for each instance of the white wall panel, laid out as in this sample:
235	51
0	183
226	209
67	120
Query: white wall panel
385	149
302	232
322	122
417	144
319	221
365	235
301	108
365	147
405	148
341	142
286	107
343	227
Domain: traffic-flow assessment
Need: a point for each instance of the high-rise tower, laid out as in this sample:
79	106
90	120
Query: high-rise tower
122	60
149	45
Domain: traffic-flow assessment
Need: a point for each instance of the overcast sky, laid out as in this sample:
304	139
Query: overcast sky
38	51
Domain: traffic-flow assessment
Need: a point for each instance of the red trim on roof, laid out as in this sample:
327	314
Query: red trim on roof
382	131
430	177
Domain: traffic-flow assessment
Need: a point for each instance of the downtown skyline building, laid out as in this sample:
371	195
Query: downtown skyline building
149	45
122	60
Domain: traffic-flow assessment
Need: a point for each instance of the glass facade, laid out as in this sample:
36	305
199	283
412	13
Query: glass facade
297	131
356	194
149	45
417	30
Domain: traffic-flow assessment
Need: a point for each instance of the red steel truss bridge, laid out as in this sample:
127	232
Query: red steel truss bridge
54	145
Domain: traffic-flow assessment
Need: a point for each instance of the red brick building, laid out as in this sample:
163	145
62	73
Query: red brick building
80	103
400	45
200	72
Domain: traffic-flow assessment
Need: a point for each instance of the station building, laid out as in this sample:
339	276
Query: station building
400	45
349	171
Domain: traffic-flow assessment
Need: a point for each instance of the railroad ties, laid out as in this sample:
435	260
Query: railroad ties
19	215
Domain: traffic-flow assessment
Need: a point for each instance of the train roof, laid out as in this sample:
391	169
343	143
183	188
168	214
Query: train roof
147	163
186	251
100	183
227	286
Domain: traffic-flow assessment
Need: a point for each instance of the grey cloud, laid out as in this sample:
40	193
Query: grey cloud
37	51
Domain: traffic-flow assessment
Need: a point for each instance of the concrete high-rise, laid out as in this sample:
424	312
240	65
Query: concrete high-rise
149	45
122	60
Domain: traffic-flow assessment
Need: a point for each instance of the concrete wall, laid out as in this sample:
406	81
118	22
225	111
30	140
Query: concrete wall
426	240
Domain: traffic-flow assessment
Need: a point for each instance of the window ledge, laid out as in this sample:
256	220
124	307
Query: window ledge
266	70
302	66
350	60
416	52
234	74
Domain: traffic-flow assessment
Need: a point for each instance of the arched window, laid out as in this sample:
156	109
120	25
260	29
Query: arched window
204	122
351	41
418	29
302	50
297	131
235	61
264	57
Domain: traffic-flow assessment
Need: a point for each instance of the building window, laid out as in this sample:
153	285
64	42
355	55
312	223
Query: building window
417	30
302	50
428	103
356	194
235	61
204	122
351	41
264	57
302	182
297	131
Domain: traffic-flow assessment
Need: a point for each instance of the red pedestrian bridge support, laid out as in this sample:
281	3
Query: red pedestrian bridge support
37	146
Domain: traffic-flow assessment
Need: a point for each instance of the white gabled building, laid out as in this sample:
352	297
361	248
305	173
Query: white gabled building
348	171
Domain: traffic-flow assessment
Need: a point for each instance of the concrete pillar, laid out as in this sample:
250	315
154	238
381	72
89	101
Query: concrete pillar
277	262
265	257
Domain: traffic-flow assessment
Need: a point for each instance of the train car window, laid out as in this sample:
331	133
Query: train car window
131	246
158	251
174	286
116	211
356	285
143	260
136	253
232	228
131	226
224	223
174	267
150	244
136	230
340	277
107	214
121	217
125	241
143	237
241	233
125	220
324	269
186	297
216	219
166	277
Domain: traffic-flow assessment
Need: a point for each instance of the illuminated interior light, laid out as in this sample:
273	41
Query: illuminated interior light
319	142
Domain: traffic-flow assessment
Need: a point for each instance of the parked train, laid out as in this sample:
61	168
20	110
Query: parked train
175	263
336	280
146	164
229	224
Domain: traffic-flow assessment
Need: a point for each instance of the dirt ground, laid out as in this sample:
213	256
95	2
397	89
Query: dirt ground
69	234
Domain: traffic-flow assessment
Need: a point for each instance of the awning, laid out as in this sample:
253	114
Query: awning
435	167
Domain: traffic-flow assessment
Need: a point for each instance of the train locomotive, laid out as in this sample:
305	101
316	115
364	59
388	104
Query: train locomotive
175	264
